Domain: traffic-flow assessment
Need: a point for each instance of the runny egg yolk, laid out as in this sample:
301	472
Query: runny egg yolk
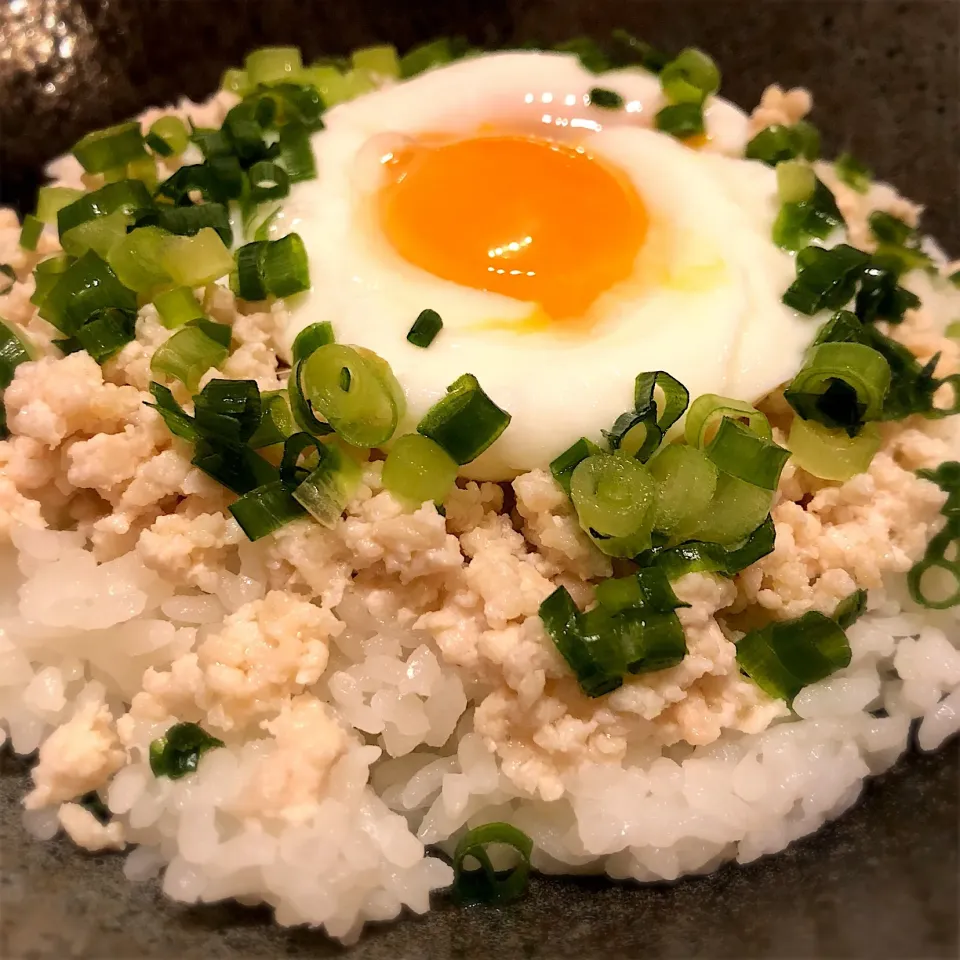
527	218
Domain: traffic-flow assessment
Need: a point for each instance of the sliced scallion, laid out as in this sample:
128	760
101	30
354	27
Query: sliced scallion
832	454
51	200
815	216
466	421
30	232
562	467
785	656
276	420
110	148
265	509
273	65
841	385
690	78
670	403
106	331
85	286
178	422
45	275
188	221
738	451
680	120
849	610
381	60
432	54
296	153
687	480
605	99
707	412
177	306
227	411
615	499
311	338
327	489
198	260
366	413
178	752
417	470
425	328
778	142
880	297
13	352
826	279
268	181
853	173
137	256
934	582
168	137
736	510
486	884
191	352
238	468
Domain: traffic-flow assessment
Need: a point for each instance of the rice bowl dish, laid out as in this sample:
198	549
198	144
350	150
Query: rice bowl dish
339	556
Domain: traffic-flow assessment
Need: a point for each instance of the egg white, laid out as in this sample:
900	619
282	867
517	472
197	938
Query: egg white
703	303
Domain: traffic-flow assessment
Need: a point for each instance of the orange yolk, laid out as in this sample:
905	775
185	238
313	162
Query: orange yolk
527	218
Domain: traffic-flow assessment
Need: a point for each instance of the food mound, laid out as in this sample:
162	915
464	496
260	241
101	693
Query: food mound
420	470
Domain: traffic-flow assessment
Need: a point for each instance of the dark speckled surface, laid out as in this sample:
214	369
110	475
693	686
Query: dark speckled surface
880	883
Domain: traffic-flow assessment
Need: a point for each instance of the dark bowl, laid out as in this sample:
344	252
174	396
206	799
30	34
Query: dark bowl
882	882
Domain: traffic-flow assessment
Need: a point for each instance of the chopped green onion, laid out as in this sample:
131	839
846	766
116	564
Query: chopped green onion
13	352
7	271
178	752
106	331
563	466
218	180
707	411
144	170
889	229
110	148
840	385
268	181
188	221
849	610
690	78
934	582
687	480
300	406
739	452
311	338
588	51
625	50
178	422
276	420
294	447
832	454
826	279
366	413
198	260
695	556
277	267
606	99
425	328
92	803
325	492
785	656
51	200
45	275
380	60
737	508
168	137
675	397
635	434
296	153
615	499
273	65
227	411
681	120
466	421
796	181
902	260
852	172
288	103
30	232
881	298
954	278
100	235
417	470
190	353
265	509
136	258
177	306
125	197
486	884
816	216
641	641
238	468
777	143
85	286
648	588
596	674
235	81
432	54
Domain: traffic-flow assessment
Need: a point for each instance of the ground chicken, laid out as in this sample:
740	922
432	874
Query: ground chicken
848	536
778	106
267	651
289	782
79	756
86	831
50	399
